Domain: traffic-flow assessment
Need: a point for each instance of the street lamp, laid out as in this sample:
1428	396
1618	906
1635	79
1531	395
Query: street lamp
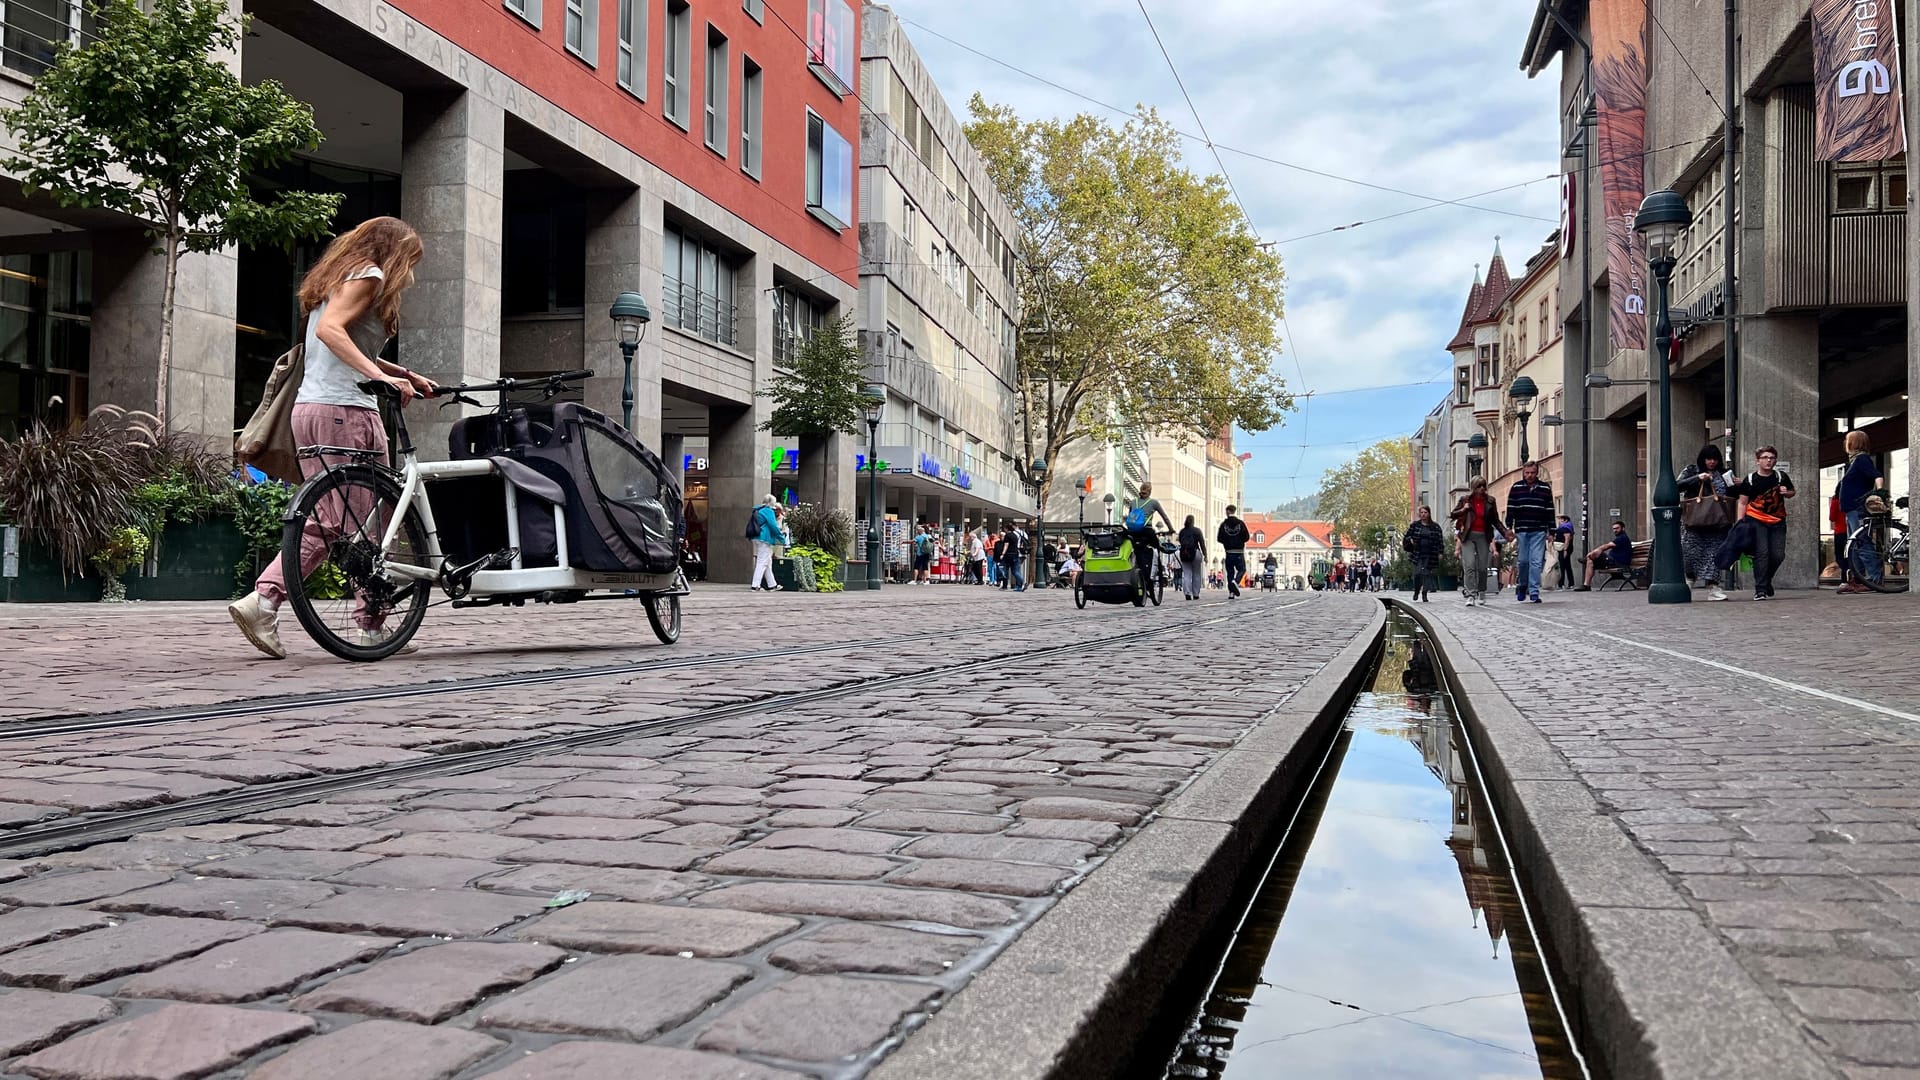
630	313
1661	218
873	403
1477	441
1523	392
1597	381
1039	523
1108	499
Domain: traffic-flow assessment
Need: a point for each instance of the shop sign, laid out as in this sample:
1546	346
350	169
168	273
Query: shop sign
1856	63
962	479
879	464
692	464
930	467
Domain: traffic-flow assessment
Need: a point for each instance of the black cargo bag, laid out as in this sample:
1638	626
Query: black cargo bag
622	504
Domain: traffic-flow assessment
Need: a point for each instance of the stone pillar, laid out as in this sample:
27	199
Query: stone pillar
1780	407
736	479
452	159
129	282
673	451
1615	485
617	247
1689	426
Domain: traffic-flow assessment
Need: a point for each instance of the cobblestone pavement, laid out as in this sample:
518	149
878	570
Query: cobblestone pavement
1767	756
771	895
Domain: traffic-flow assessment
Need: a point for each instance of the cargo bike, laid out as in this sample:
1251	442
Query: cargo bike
1108	574
545	501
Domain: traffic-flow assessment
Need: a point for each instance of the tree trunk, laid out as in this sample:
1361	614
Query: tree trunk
163	389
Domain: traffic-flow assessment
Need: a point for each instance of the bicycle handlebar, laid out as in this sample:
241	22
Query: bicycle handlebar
507	385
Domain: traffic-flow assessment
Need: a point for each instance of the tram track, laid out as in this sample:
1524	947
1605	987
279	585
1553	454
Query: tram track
82	831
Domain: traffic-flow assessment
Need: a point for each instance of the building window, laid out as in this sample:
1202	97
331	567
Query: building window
829	173
526	9
751	93
831	43
583	29
796	319
909	221
1463	387
756	10
631	69
543	253
1523	338
699	287
46	310
717	77
1546	335
33	28
675	59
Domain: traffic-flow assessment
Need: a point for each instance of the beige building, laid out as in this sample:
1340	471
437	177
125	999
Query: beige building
1177	465
1529	326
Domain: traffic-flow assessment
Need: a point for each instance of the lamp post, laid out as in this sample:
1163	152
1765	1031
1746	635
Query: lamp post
1039	523
630	313
1108	499
1476	442
874	404
1661	218
1523	392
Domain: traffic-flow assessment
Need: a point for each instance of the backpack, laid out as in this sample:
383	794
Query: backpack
923	544
1136	519
1189	549
753	525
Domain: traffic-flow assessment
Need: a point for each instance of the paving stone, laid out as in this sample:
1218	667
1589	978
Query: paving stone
632	997
326	814
651	928
879	950
412	913
77	888
611	789
711	837
30	926
811	819
220	898
31	1019
586	828
419	872
620	808
82	796
66	963
13	814
212	832
432	983
922	821
1097	833
916	800
469	800
453	845
720	815
875	902
618	882
386	1049
999	849
1846	1003
1079	809
975	875
639	854
143	853
798	863
815	1018
340	838
615	1061
851	841
457	821
174	1043
1838	971
285	865
255	967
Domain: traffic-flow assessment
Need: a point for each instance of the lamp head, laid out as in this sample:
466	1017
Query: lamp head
1662	216
1039	467
1597	381
1523	391
1552	420
630	312
1107	498
873	401
1477	441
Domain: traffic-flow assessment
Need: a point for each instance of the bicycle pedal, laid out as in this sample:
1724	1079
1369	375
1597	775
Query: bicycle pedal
503	560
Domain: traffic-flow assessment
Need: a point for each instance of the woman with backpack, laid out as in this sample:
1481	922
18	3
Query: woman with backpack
766	531
1193	558
1139	526
1422	545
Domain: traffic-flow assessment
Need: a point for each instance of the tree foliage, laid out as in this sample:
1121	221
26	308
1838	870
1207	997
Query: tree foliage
1370	494
149	121
1146	301
824	391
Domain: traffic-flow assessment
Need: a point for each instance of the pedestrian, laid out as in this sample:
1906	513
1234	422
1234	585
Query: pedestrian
1563	552
1139	526
1271	566
997	566
1529	521
1422	545
1861	567
767	532
1017	549
923	552
977	557
1700	540
1193	558
1475	519
1763	496
351	303
1338	575
1070	568
1377	573
1617	552
1232	537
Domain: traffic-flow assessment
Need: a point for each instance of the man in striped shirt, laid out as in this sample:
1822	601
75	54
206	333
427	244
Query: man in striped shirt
1530	520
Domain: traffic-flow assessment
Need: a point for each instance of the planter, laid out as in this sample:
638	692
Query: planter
853	575
783	574
1445	582
39	580
194	561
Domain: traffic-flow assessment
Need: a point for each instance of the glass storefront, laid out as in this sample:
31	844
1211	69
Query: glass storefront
46	314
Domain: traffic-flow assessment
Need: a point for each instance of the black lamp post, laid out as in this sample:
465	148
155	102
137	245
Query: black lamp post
1476	442
1039	524
1662	217
630	312
1108	500
1523	392
875	403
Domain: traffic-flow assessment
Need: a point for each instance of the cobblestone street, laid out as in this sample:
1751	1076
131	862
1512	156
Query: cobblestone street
789	890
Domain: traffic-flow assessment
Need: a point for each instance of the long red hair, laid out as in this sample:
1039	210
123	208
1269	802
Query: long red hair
385	242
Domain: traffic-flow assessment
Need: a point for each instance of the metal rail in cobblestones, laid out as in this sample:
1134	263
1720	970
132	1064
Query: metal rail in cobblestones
68	834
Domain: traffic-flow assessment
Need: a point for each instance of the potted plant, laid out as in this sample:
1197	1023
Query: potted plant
125	548
67	490
822	394
822	537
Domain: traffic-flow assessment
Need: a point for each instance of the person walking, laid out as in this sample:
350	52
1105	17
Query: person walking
1529	521
1193	558
1763	496
1422	545
1016	566
977	557
1699	542
924	547
1563	551
1232	537
767	532
1378	572
1475	519
1860	567
351	303
1618	553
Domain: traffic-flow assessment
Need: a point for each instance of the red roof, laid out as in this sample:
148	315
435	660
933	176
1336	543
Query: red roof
1274	529
1484	299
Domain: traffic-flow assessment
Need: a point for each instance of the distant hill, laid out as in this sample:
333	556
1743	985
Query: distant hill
1304	508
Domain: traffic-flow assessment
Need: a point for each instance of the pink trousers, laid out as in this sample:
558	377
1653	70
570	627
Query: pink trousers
328	425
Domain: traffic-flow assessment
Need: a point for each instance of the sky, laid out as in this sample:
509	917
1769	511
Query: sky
1424	96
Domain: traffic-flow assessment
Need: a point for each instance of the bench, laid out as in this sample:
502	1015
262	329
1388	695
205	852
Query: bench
1632	575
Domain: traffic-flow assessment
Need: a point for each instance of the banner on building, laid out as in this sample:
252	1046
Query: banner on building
1856	70
1619	30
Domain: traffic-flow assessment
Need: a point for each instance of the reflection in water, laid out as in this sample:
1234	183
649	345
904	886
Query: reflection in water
1403	951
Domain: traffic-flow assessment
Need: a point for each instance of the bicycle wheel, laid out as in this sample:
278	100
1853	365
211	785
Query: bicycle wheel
663	613
351	604
1079	595
1159	590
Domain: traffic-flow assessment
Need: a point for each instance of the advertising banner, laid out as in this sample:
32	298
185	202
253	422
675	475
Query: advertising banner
1856	74
1620	89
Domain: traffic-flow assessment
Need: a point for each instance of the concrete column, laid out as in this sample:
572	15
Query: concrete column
616	263
129	282
673	451
452	159
736	479
1614	485
1780	407
1689	427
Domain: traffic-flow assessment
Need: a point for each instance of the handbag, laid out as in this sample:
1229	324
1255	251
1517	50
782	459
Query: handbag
266	442
1710	510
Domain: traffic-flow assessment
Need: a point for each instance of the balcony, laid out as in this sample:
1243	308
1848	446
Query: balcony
1487	403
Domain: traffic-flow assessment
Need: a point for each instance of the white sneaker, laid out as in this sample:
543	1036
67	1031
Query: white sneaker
1716	594
367	639
260	623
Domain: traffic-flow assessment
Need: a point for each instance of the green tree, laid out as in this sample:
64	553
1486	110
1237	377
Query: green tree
149	121
823	391
1370	494
1146	300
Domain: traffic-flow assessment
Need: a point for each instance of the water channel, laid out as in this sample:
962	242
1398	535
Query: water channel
1386	939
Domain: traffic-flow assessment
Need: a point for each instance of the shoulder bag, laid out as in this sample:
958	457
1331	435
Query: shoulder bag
266	443
1708	510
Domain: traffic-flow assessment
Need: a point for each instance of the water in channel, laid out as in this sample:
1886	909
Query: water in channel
1386	940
